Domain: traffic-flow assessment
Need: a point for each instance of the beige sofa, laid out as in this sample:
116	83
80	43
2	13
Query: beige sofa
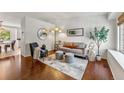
78	48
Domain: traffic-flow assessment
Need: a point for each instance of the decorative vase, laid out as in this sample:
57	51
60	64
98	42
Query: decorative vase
98	58
91	52
91	55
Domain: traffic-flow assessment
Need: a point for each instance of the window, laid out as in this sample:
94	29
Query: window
4	34
121	32
121	37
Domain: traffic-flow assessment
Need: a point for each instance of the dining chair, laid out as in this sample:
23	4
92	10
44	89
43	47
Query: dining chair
6	46
10	45
0	49
13	44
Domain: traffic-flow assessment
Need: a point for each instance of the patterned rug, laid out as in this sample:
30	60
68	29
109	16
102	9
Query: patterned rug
74	70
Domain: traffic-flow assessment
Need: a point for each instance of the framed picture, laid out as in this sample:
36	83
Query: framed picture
75	32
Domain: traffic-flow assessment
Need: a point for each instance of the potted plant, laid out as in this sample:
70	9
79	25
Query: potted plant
99	36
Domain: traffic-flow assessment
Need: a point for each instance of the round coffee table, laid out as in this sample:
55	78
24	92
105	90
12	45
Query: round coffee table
69	57
59	55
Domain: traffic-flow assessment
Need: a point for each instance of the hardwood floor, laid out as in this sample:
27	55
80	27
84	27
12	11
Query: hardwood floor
10	68
98	71
40	71
20	68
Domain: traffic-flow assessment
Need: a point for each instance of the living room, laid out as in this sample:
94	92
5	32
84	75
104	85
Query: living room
72	53
64	46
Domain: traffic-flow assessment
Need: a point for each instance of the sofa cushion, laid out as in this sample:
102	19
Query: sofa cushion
80	45
77	48
65	49
77	51
67	44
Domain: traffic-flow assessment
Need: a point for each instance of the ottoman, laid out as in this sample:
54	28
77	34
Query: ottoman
59	55
69	57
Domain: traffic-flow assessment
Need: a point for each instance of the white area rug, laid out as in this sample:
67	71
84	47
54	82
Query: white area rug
75	69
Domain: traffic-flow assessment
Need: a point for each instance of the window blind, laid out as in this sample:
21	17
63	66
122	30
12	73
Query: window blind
121	19
121	37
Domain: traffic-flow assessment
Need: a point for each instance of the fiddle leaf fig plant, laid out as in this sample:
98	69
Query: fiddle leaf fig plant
99	36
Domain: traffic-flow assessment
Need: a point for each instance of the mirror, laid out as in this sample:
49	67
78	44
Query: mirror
42	33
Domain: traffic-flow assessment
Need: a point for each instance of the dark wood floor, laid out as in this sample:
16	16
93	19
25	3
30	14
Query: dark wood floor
20	68
98	71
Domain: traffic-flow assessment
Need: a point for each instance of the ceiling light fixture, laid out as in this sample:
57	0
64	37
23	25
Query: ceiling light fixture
57	29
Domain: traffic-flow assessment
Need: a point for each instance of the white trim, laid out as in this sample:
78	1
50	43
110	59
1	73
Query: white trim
119	57
12	26
115	60
118	38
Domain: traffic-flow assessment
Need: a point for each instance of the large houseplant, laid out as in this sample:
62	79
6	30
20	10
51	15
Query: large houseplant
99	36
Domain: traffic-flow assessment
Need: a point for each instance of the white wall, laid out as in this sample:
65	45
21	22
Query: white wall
88	23
23	50
30	27
10	20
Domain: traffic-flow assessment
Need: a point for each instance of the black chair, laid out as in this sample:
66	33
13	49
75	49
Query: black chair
0	49
8	45
43	51
13	44
32	47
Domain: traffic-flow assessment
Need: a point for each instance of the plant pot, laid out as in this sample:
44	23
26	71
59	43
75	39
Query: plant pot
98	58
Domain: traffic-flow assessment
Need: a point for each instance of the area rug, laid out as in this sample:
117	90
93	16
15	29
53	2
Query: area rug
75	69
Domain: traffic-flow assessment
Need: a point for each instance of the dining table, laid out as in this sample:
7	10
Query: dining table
3	43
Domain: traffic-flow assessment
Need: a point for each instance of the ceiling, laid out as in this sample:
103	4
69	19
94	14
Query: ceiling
47	16
54	15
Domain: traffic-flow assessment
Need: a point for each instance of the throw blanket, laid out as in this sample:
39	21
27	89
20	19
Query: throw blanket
36	53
